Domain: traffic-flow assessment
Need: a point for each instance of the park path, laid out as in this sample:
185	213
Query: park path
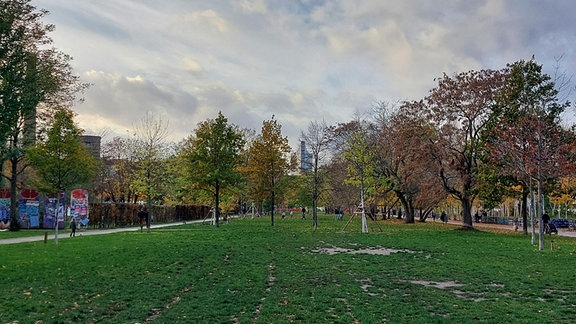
65	234
561	231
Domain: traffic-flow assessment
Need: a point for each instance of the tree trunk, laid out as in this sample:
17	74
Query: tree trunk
217	205
466	212
407	207
14	224
524	211
272	212
315	206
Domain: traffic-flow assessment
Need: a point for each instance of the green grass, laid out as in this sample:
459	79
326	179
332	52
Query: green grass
6	234
248	271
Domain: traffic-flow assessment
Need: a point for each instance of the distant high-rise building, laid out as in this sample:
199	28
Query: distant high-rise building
93	144
305	158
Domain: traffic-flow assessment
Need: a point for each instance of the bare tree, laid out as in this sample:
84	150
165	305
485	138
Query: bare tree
317	138
151	138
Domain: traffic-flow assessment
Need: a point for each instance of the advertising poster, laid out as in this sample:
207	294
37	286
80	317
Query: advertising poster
4	208
53	207
79	206
29	208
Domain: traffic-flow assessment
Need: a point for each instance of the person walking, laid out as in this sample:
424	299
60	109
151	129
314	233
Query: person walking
73	226
545	222
303	213
143	216
444	217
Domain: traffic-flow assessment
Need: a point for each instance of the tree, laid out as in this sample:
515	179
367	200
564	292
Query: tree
525	137
460	107
403	160
359	152
317	138
213	155
269	160
119	170
62	161
150	150
32	74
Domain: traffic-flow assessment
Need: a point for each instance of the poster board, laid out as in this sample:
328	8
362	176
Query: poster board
29	208
54	207
79	206
4	208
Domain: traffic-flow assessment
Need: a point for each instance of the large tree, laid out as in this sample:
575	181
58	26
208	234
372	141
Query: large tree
268	161
460	107
32	75
403	159
213	155
526	140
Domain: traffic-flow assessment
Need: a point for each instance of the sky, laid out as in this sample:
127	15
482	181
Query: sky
297	60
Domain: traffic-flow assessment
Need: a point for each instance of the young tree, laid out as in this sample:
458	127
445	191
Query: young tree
359	152
32	74
317	138
119	170
62	161
269	160
150	152
213	155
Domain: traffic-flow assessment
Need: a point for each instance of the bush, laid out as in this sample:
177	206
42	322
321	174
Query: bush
119	215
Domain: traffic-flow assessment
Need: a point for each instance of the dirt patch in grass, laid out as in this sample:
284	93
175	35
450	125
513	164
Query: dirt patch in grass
372	251
450	285
437	284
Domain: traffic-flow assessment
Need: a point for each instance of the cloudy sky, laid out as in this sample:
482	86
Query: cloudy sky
299	60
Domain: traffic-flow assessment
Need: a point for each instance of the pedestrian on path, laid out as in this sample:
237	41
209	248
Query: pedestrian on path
143	216
73	226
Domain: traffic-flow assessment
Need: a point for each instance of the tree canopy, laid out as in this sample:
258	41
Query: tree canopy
212	155
268	161
61	161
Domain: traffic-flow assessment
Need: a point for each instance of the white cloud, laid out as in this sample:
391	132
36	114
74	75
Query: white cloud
208	17
299	60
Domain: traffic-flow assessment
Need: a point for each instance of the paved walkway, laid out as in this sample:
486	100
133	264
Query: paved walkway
510	227
65	234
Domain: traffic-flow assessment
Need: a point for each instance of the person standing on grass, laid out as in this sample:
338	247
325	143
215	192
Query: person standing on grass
303	213
73	226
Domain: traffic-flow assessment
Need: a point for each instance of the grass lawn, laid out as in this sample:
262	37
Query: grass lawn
6	234
250	272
